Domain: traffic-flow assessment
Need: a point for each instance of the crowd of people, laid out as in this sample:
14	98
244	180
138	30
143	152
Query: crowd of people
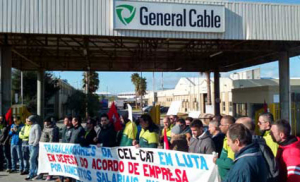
240	154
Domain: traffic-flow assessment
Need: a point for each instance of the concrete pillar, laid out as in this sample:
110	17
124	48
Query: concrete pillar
249	110
217	92
234	109
40	93
284	86
5	79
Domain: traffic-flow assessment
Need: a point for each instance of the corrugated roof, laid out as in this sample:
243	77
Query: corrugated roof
244	21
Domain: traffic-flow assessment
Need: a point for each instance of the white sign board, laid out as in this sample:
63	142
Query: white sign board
275	98
209	109
132	15
194	114
174	108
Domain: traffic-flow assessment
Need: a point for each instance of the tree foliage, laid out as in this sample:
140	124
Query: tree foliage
77	103
140	84
93	79
30	87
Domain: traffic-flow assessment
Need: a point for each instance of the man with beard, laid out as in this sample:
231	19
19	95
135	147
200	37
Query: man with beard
107	135
288	153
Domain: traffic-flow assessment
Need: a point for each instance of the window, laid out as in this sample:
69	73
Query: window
224	106
230	106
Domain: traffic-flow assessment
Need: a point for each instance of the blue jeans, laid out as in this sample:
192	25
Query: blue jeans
25	151
16	154
34	151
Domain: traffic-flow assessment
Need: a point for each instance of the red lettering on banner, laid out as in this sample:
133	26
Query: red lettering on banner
109	165
67	159
121	166
96	164
145	167
84	162
133	167
152	171
163	173
51	158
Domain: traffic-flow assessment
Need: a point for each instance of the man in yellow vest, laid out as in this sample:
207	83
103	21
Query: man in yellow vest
225	161
265	121
24	136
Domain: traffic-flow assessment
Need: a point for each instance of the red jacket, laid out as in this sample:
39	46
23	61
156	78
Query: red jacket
289	161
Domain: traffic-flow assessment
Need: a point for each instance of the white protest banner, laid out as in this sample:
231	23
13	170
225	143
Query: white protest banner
174	108
124	164
129	112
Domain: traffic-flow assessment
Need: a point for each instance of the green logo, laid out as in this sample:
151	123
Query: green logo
131	9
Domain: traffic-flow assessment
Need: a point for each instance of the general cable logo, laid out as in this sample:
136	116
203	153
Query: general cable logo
131	9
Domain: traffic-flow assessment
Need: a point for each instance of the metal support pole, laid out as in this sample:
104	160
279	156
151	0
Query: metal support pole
217	92
284	86
5	78
40	93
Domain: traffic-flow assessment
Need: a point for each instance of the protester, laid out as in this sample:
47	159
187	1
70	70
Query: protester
67	130
272	164
77	131
166	130
4	145
188	121
107	135
34	138
2	125
206	118
181	128
248	122
90	133
225	160
179	143
288	153
97	127
173	120
66	137
24	136
129	132
201	142
16	145
265	121
149	135
217	135
50	134
249	164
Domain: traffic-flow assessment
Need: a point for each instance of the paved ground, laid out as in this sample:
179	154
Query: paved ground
14	177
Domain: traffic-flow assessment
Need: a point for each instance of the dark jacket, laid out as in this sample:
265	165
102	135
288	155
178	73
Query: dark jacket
50	134
66	134
202	144
88	138
248	166
4	136
77	134
107	136
218	141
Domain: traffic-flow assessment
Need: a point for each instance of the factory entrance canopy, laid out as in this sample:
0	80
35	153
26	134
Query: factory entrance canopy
107	35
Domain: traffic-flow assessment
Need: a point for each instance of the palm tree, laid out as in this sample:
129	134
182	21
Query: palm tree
140	85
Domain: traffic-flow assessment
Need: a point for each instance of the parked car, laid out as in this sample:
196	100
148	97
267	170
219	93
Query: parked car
164	109
147	109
